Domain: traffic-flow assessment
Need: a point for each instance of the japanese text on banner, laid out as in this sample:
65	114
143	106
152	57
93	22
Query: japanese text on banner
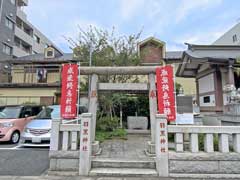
165	91
69	91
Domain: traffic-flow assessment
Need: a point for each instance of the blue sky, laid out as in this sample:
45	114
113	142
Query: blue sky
172	21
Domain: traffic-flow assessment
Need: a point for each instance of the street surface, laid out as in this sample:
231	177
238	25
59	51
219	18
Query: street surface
18	161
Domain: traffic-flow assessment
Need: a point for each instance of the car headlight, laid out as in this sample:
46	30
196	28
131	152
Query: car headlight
26	130
7	124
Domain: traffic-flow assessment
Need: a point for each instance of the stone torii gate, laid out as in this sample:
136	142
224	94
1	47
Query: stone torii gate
94	72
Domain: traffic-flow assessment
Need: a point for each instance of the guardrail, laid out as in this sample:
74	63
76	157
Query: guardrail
223	134
65	137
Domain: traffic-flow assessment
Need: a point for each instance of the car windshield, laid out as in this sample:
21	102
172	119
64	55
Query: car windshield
49	113
10	113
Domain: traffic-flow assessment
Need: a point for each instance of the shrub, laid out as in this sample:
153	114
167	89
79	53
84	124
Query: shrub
107	123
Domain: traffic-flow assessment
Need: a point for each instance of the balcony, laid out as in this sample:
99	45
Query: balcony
22	2
18	52
21	14
23	35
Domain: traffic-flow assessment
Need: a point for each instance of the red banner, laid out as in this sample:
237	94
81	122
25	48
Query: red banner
69	91
165	91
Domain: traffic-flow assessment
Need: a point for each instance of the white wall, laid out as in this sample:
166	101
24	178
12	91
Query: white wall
227	38
206	83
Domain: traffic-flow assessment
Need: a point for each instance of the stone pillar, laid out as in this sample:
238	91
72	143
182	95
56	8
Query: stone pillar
152	104
85	145
194	142
236	143
223	143
231	74
208	143
92	107
161	146
54	142
178	142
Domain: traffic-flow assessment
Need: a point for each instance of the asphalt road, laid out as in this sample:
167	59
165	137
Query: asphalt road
17	161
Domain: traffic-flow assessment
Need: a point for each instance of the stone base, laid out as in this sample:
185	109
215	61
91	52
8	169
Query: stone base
96	150
150	151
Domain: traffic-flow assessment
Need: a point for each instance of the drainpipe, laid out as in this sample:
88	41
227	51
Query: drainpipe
1	7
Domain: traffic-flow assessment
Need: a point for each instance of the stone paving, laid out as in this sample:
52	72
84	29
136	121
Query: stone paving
132	148
87	178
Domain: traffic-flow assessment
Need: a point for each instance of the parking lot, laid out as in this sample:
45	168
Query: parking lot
20	161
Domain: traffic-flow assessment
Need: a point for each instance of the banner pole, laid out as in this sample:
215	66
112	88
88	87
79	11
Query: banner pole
175	91
78	89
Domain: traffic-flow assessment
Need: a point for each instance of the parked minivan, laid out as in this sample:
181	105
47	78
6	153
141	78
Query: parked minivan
13	120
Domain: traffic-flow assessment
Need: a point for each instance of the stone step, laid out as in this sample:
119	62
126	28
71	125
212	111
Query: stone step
63	173
123	172
123	163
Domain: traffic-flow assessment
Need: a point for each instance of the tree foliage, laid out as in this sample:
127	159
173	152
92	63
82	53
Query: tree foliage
108	49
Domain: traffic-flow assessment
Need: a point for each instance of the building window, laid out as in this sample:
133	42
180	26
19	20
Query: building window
13	2
7	49
36	38
49	53
9	23
206	99
234	38
42	75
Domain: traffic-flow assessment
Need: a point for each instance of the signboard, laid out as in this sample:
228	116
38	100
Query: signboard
165	92
69	91
186	118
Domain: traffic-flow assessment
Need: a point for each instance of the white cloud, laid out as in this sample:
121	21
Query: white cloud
187	6
129	8
204	37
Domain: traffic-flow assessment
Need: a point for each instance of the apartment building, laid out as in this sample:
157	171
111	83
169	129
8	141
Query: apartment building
231	37
18	37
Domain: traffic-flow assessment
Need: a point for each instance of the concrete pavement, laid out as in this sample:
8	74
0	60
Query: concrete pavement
23	162
86	178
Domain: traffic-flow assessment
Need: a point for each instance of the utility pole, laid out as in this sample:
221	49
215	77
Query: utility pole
90	64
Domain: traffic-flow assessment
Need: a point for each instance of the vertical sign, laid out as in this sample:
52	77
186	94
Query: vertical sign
161	145
85	144
165	91
69	91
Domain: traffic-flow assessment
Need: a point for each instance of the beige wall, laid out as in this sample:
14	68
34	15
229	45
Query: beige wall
18	76
15	96
188	84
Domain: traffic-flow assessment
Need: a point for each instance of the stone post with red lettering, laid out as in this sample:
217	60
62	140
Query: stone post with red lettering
161	147
85	144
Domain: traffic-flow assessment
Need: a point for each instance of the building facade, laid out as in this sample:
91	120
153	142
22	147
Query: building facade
18	37
152	51
35	79
231	37
214	67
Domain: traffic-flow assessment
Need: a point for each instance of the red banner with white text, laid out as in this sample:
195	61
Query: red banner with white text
69	91
165	92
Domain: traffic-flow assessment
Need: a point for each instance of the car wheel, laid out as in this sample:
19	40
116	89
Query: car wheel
15	137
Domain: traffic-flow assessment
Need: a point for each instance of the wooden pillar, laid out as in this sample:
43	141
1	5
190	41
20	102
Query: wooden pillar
197	91
152	104
218	90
